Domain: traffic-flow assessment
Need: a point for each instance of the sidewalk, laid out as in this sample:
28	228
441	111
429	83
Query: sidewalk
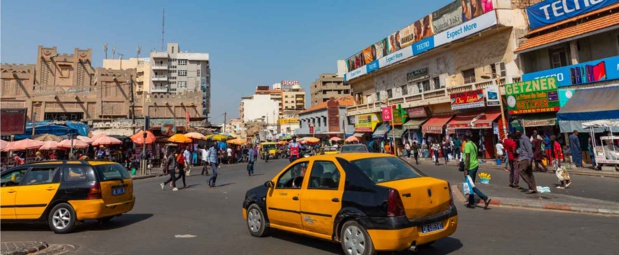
22	247
588	194
573	170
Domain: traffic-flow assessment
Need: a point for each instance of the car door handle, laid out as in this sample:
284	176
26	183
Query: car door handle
336	200
295	198
50	189
11	191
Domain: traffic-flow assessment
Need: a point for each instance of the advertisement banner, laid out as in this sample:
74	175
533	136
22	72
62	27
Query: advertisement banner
393	42
474	8
492	95
423	45
13	121
532	96
465	29
565	95
368	55
386	113
395	57
417	112
366	122
549	12
583	73
288	121
397	117
466	100
371	67
356	73
407	35
448	16
380	49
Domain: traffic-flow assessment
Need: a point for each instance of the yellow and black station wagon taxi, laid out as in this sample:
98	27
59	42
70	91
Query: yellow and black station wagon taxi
63	192
367	202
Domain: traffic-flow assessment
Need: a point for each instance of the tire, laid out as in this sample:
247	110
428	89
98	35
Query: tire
355	239
256	223
61	218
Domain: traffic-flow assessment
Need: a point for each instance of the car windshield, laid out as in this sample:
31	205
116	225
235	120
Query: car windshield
386	169
330	149
269	146
354	148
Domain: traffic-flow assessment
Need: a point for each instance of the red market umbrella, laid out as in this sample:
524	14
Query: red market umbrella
26	144
79	144
3	144
106	140
139	138
85	139
335	139
7	147
352	139
95	137
48	146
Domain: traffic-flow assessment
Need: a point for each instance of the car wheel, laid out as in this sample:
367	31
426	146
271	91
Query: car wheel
256	222
61	218
355	239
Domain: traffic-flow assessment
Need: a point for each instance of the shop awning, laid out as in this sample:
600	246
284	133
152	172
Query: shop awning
358	135
472	121
535	120
381	131
435	124
589	105
397	132
538	39
414	123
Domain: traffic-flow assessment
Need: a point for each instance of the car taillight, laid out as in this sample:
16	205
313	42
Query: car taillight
394	204
95	192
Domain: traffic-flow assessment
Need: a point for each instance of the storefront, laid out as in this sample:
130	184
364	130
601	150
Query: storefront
433	128
365	124
589	105
381	131
482	127
412	128
543	123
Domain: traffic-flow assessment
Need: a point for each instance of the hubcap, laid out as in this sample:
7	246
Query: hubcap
354	240
61	218
254	220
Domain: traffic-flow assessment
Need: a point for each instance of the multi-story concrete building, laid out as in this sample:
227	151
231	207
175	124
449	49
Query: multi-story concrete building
441	65
178	72
328	86
327	119
142	67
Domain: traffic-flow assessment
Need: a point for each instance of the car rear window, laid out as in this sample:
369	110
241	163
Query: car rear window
386	169
111	172
358	148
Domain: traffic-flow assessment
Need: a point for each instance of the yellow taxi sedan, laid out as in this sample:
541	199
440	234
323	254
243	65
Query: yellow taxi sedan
328	150
64	192
367	202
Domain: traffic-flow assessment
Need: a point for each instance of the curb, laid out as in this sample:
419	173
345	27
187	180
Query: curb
506	202
38	247
141	177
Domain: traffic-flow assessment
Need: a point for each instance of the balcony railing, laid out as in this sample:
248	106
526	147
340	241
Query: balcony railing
160	78
159	90
160	67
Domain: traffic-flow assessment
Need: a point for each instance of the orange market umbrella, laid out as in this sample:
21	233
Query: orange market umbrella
312	140
335	139
106	140
179	138
48	146
48	137
282	142
237	141
139	138
352	139
195	136
26	144
3	144
85	139
79	144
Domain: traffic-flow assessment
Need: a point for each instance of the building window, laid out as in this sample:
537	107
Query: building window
182	62
503	70
172	67
437	83
558	57
377	96
172	49
404	89
469	76
182	84
347	91
198	73
182	72
389	93
424	85
324	92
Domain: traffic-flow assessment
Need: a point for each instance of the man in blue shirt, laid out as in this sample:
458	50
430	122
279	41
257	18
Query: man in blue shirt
250	162
214	162
525	155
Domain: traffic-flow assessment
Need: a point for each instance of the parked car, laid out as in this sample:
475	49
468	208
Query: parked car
354	148
367	202
64	192
328	150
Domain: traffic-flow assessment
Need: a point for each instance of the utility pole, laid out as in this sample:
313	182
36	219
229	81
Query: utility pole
34	127
225	116
132	103
162	28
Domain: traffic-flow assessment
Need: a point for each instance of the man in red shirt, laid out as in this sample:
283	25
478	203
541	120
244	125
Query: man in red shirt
510	148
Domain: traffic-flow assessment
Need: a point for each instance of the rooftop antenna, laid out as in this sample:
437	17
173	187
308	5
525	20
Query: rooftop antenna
105	49
162	28
113	52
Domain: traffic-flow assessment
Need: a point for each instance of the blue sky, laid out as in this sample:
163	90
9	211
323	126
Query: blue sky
250	43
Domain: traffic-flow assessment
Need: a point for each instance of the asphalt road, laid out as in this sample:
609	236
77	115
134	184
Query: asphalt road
209	221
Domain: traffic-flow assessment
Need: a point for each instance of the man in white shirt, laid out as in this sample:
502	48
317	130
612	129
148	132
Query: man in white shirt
187	156
500	150
204	156
229	153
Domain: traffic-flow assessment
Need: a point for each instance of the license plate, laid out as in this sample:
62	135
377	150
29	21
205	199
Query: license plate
431	227
118	191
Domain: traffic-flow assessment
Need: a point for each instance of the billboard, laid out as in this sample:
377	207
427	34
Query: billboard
532	96
583	73
448	16
401	45
466	100
13	121
549	12
366	122
492	95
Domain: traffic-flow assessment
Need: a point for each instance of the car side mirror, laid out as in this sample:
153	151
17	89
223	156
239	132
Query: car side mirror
268	184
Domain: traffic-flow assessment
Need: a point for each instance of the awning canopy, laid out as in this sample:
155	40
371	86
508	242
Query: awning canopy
397	132
589	105
539	38
358	135
414	123
381	131
535	120
435	124
473	121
